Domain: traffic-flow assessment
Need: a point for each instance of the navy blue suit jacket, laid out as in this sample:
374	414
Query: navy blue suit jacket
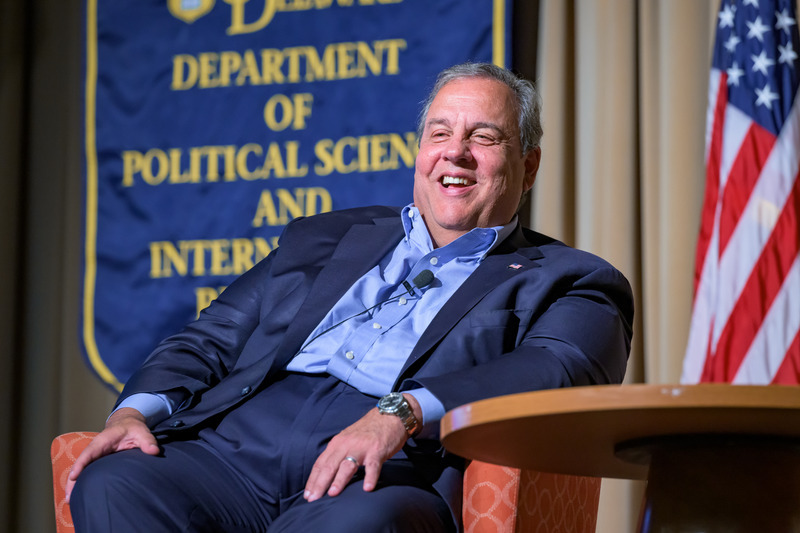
536	314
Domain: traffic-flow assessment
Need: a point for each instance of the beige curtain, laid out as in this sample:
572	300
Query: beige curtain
624	85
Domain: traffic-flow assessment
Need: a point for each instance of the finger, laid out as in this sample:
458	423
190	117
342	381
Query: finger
95	450
92	452
347	469
147	443
68	488
372	471
322	473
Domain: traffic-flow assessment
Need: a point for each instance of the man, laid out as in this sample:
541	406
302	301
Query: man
262	415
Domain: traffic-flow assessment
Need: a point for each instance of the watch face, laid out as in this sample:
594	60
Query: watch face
391	402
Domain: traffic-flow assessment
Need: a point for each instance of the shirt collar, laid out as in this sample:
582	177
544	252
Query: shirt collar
478	241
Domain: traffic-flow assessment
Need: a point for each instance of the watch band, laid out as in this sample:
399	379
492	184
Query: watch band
396	404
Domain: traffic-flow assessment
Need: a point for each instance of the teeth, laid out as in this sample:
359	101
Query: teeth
450	180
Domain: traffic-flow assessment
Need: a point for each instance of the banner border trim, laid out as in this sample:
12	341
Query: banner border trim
499	33
90	246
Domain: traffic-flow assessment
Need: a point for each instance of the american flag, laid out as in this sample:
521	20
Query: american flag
746	314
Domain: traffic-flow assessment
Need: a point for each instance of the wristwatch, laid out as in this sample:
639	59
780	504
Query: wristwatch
395	403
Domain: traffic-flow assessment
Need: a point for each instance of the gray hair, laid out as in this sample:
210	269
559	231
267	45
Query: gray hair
529	104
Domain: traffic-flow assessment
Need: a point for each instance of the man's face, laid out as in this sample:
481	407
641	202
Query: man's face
470	171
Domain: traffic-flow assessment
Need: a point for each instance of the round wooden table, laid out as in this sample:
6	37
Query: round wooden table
716	457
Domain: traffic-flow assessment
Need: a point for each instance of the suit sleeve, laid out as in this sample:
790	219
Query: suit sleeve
579	335
206	350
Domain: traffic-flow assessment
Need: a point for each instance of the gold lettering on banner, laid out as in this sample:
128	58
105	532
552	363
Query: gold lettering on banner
212	164
203	257
253	161
271	7
278	207
280	111
369	153
336	61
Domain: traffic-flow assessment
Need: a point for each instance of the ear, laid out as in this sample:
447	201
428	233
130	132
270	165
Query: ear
532	160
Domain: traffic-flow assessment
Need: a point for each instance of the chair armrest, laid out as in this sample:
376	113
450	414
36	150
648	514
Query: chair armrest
63	452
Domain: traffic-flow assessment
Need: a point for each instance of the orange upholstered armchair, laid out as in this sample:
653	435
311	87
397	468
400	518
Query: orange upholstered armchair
496	499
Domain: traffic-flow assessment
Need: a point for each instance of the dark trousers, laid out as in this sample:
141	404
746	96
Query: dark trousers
249	472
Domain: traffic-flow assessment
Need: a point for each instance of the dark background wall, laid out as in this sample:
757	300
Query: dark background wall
45	387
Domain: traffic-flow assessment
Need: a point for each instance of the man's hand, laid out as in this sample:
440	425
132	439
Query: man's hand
125	429
370	441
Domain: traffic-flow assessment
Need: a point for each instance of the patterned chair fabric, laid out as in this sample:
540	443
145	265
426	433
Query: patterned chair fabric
63	452
497	499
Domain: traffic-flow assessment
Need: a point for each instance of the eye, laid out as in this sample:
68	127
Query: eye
439	134
484	138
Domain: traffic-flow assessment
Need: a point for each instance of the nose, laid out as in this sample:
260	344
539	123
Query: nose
457	149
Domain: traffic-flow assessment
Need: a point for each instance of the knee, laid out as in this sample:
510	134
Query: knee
108	479
109	494
90	487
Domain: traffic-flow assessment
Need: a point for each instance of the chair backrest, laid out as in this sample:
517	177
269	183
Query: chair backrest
498	499
63	452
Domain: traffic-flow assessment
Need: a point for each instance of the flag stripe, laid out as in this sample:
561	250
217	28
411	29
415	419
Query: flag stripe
774	340
753	153
712	170
789	372
758	294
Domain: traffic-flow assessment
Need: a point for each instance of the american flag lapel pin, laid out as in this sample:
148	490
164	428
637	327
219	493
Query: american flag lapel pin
515	266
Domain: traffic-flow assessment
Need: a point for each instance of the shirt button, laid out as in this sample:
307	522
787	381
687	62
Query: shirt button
350	355
375	325
402	301
434	260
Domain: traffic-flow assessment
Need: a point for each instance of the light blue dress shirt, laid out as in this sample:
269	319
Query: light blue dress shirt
367	336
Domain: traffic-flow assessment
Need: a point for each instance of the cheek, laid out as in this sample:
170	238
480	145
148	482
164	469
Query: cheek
424	162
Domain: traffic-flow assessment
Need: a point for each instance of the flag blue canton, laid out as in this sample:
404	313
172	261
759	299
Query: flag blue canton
757	47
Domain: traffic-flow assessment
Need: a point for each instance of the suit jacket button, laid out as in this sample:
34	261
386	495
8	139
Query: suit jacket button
246	391
177	424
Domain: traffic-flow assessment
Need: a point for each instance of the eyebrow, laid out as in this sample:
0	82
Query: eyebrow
476	126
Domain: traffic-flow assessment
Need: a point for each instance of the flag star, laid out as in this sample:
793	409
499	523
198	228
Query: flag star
726	17
761	62
765	97
753	3
788	54
757	29
734	73
784	20
730	44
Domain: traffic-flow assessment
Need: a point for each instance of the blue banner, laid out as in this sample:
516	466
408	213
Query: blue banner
210	124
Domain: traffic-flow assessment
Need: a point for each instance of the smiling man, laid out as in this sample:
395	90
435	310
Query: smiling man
472	170
307	396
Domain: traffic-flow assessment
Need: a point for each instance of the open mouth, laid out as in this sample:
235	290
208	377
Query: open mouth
448	181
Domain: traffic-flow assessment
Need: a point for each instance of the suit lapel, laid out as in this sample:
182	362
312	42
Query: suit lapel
512	257
361	248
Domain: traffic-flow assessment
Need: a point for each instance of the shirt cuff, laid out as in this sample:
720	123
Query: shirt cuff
154	407
432	411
